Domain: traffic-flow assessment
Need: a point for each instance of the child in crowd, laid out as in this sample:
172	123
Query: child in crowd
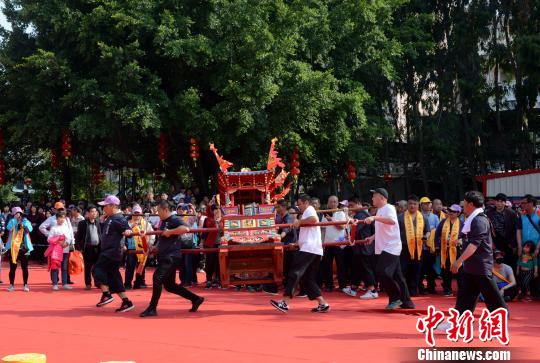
58	252
527	268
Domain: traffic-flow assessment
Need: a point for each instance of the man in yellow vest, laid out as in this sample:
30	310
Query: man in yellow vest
428	254
448	243
414	231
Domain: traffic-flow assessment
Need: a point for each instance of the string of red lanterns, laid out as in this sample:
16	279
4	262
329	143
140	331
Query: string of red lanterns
55	162
295	164
351	172
97	175
2	164
194	149
162	147
2	172
66	145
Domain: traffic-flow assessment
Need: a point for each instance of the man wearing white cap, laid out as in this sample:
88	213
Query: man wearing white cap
107	269
334	234
448	243
137	243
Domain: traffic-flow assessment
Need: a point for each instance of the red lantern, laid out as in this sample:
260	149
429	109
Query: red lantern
97	174
54	191
2	142
66	145
387	178
162	147
2	172
194	149
28	181
351	172
54	160
295	164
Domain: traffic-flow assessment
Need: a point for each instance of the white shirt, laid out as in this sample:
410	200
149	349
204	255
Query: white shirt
62	230
51	222
334	234
387	236
309	239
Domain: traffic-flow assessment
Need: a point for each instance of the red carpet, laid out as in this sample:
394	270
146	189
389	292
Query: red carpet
230	327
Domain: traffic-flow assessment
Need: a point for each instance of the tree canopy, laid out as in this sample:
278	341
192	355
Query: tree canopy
320	74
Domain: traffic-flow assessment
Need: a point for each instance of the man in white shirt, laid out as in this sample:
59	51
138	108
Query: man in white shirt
388	248
334	234
306	261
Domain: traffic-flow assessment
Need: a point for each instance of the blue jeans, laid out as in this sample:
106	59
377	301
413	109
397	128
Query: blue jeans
54	273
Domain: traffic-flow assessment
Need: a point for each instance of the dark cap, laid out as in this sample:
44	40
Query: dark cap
380	191
501	196
529	199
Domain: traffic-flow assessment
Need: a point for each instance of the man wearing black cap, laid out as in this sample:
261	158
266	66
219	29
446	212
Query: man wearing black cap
504	222
388	248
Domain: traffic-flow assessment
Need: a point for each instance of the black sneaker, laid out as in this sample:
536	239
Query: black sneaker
148	312
280	305
407	305
70	282
321	309
195	304
208	285
125	307
105	299
128	286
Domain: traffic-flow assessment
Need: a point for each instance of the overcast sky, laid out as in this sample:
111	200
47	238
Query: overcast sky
3	21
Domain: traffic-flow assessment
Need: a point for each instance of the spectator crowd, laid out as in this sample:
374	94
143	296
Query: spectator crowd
430	235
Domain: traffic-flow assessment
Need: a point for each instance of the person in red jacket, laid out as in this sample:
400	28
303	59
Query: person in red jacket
211	240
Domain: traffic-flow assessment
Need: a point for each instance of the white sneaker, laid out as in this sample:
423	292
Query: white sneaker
370	295
67	287
10	288
26	288
444	326
55	287
349	291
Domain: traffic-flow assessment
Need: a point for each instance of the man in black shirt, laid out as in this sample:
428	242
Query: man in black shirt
505	223
107	268
477	259
169	260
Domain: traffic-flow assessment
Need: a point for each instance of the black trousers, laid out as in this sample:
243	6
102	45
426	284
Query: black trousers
90	255
411	270
23	259
474	285
327	265
391	278
165	277
427	271
131	266
288	259
368	264
304	271
212	267
107	272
